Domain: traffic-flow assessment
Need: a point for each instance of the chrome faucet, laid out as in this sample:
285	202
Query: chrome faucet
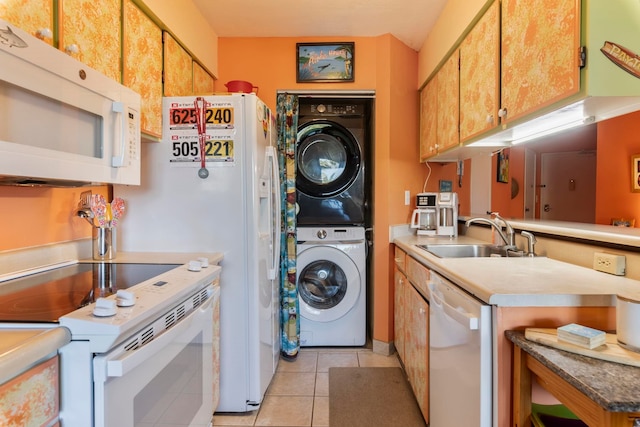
508	238
531	242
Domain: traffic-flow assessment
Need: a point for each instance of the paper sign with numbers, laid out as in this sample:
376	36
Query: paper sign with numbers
181	132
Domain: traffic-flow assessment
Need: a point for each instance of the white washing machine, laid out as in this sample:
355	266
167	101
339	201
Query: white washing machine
331	269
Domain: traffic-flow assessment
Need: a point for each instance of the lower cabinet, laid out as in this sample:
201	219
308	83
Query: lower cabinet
411	333
32	398
416	347
401	284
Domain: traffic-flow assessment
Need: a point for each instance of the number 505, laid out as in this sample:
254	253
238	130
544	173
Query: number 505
185	149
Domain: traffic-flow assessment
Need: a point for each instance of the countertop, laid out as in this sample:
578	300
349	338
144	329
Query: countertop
522	281
160	257
613	386
21	348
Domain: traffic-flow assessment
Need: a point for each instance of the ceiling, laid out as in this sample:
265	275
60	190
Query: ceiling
408	20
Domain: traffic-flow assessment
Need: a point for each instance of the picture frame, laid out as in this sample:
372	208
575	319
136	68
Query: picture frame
503	168
635	173
325	62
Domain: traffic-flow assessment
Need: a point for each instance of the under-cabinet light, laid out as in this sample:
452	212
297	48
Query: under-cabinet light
535	134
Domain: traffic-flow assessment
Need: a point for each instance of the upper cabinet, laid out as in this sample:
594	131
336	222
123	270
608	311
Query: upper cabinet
124	40
428	120
178	68
34	17
142	65
439	110
480	76
90	32
203	82
449	102
540	54
517	60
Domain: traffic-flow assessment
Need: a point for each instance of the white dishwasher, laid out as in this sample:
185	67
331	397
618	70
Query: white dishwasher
460	357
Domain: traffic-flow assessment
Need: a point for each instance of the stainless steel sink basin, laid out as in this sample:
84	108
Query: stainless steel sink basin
464	250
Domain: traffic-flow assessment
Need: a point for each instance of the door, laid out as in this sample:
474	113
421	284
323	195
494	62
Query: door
328	158
460	357
167	380
328	283
567	186
262	244
529	183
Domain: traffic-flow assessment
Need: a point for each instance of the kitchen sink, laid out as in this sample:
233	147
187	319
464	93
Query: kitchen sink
464	250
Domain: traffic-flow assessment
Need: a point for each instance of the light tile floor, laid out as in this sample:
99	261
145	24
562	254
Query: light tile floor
298	395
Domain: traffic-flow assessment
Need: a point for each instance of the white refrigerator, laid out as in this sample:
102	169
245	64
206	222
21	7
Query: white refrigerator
233	207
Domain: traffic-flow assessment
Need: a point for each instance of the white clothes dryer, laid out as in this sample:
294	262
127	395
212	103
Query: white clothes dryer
331	270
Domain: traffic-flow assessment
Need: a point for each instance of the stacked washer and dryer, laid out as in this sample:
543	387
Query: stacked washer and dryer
332	194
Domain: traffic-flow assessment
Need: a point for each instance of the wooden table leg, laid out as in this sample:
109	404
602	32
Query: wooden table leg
521	389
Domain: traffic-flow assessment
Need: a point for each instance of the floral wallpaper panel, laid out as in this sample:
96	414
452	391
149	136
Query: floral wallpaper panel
480	75
448	103
539	53
142	60
178	74
31	16
202	80
94	27
31	398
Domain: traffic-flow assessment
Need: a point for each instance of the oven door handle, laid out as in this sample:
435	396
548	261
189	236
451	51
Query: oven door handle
467	320
128	361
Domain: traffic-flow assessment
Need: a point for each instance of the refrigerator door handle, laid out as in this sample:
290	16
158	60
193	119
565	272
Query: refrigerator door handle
273	269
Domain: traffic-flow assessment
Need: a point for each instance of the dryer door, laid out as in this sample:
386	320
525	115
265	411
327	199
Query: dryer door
328	283
328	158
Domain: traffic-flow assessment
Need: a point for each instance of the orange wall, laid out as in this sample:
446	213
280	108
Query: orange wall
448	172
501	200
385	65
618	140
34	216
270	64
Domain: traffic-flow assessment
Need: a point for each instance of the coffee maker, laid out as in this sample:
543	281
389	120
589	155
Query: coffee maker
447	207
425	215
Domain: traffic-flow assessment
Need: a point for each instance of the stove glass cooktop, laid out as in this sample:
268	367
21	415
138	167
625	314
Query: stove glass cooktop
45	297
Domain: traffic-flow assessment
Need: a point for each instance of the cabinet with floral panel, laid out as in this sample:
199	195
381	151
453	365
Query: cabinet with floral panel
540	55
480	76
416	347
142	65
33	397
203	82
90	31
33	16
399	307
428	120
178	68
440	110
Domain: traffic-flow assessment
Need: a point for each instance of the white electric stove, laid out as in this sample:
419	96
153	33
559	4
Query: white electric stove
142	341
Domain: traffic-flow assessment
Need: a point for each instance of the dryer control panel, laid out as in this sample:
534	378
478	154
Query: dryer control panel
331	107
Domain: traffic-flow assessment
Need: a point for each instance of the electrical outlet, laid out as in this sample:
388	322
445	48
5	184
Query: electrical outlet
609	263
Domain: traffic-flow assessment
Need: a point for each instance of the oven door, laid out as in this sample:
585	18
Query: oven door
168	381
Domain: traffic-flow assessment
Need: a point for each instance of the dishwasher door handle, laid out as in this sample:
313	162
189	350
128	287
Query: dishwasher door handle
468	320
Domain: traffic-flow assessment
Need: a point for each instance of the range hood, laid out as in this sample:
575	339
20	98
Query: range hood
609	81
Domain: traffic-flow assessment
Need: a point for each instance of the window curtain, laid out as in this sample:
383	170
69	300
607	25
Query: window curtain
287	110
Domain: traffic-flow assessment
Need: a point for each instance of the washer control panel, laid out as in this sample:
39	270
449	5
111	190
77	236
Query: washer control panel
330	234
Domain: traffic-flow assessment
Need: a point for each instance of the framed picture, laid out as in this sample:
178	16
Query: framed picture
635	173
325	62
503	168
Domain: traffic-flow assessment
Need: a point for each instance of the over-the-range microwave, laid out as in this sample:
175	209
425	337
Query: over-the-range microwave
61	121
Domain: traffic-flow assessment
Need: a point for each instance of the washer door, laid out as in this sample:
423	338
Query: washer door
328	283
328	158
